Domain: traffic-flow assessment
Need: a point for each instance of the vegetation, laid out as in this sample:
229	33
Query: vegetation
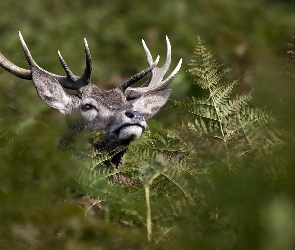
177	176
221	177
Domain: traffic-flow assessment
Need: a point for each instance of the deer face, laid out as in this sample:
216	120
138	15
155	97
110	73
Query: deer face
110	111
121	112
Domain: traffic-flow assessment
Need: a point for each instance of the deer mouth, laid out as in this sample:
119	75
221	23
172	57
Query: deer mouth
130	131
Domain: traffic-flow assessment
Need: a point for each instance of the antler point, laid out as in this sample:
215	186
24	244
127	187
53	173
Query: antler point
157	60
143	43
85	43
21	37
168	44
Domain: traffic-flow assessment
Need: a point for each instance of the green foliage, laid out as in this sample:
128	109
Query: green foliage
203	196
168	181
229	119
170	191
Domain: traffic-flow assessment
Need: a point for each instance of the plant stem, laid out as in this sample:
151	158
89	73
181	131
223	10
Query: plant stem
148	215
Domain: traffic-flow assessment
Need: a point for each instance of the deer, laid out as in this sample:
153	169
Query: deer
121	113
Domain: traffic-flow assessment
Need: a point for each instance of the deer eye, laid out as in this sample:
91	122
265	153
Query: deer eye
87	106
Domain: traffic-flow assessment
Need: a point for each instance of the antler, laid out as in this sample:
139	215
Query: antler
78	81
70	81
138	76
15	70
155	82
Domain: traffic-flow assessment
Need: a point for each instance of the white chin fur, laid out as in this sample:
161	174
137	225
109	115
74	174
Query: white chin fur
130	133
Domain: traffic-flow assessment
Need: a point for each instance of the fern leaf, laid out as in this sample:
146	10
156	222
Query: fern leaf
226	118
198	126
222	92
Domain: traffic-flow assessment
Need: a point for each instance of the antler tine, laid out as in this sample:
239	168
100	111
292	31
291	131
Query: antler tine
26	50
170	77
133	93
76	81
147	53
66	68
158	73
155	82
138	76
88	68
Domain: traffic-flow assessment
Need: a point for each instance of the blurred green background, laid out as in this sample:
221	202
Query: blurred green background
250	36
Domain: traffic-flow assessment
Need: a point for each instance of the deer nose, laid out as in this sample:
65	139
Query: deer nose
134	115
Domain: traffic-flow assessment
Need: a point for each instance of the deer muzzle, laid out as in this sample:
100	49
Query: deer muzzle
133	127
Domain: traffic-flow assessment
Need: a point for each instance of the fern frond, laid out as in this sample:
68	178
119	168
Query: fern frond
198	126
208	73
222	92
226	119
178	177
198	106
235	104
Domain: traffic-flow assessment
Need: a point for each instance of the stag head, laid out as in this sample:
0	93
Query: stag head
121	112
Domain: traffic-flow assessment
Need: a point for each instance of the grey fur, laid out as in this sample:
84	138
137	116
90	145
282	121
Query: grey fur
121	112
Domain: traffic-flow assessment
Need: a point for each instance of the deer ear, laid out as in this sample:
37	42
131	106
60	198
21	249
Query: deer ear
150	104
52	93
